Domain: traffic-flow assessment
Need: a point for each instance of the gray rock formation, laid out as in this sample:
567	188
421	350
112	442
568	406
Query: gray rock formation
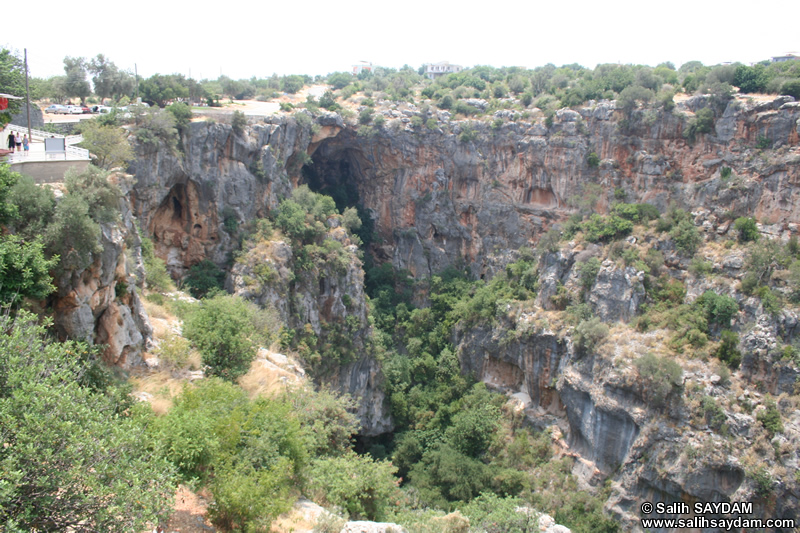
87	305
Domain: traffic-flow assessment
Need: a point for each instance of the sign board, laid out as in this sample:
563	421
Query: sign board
55	145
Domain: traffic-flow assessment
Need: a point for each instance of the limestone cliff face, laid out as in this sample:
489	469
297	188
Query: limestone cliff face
183	199
326	302
90	305
468	189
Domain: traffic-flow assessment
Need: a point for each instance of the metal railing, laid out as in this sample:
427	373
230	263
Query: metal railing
40	134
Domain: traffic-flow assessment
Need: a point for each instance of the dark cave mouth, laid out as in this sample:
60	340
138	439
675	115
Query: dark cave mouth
335	171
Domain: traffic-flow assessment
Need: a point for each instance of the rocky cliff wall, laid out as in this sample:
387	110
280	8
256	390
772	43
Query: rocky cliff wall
470	189
475	192
101	303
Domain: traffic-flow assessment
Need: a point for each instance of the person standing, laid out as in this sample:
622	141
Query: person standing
25	143
18	142
11	142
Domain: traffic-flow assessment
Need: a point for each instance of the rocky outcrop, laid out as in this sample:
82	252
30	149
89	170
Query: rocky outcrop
184	199
474	193
101	304
326	303
467	189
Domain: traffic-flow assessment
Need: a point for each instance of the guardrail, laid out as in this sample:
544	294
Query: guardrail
74	151
40	134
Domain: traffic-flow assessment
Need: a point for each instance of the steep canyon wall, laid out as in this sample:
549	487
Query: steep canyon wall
475	192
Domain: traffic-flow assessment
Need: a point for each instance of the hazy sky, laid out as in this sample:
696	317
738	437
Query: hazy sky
316	37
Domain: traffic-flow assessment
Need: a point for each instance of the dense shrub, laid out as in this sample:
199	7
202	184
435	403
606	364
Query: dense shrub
719	308
588	271
156	275
222	329
34	207
590	333
638	213
203	278
24	269
76	453
107	143
770	418
360	485
728	351
660	376
600	228
748	231
73	235
687	238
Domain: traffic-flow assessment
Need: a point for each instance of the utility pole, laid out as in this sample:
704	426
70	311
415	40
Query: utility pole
28	97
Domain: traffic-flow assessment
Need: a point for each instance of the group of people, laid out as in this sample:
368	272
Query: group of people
14	140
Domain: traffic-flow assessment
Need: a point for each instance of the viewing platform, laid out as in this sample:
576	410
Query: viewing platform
46	164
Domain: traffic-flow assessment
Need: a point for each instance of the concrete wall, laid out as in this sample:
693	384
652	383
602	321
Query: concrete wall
48	171
21	118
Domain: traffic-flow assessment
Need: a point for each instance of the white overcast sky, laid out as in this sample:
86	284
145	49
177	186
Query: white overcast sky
243	38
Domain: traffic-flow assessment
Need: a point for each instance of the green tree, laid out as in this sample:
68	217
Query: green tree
750	79
770	417
687	238
238	122
156	276
73	457
203	278
250	454
93	186
728	351
8	179
589	333
108	80
183	116
109	144
34	204
327	419
631	96
292	84
222	329
24	270
76	84
719	308
588	271
360	485
73	235
748	231
474	425
340	80
12	80
160	89
792	88
154	127
660	376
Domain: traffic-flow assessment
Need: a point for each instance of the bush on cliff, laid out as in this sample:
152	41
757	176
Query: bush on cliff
222	329
660	377
203	278
76	451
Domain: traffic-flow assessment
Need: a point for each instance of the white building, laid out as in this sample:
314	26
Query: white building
789	56
362	66
434	70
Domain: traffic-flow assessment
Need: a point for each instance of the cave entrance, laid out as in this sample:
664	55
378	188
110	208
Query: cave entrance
333	176
338	170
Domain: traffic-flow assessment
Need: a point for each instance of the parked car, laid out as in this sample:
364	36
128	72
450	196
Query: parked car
102	109
57	109
86	110
74	109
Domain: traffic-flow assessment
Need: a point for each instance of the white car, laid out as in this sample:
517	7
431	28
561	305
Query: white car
74	110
